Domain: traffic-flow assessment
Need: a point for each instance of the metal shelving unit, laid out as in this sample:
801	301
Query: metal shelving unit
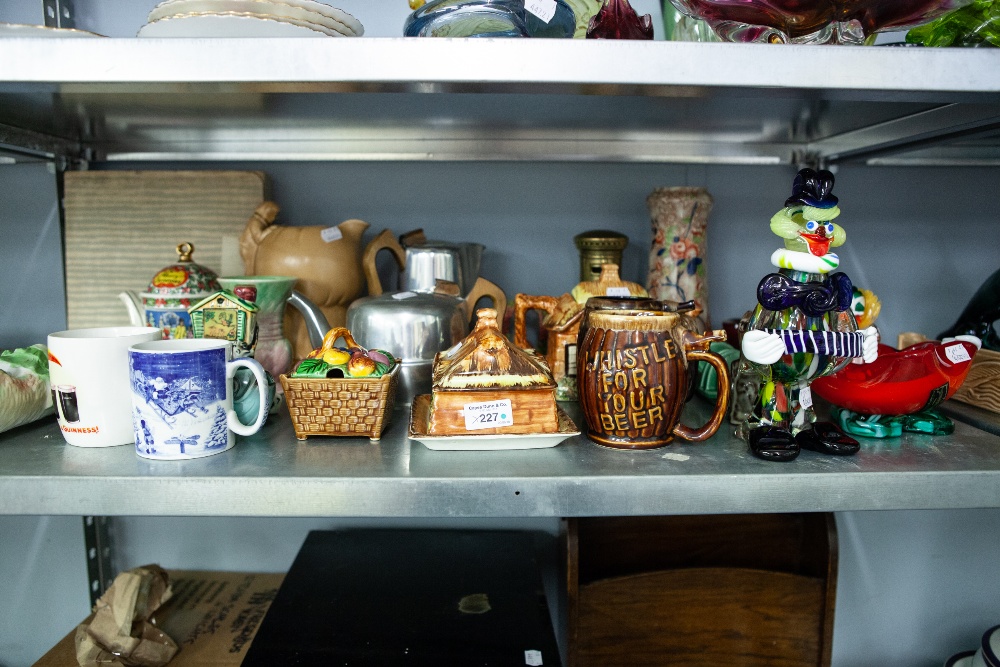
543	100
272	474
112	100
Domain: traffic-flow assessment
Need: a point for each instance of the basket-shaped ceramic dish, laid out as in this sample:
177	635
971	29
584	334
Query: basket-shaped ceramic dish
340	406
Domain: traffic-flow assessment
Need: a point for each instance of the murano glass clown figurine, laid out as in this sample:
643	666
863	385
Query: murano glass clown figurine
802	328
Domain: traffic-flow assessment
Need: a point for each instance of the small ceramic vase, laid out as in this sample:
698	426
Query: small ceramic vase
274	351
677	258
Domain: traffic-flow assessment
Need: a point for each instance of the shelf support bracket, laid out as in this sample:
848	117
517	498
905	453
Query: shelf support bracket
59	13
97	542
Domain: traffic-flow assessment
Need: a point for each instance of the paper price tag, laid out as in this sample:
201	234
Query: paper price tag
543	9
617	291
533	658
956	353
488	414
331	234
806	397
404	295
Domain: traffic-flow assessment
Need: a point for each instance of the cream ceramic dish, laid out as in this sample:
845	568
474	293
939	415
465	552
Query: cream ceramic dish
322	15
307	10
418	431
25	30
232	25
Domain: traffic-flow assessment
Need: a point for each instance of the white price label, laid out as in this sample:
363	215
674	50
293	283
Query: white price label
488	414
533	658
331	234
806	397
956	353
404	295
543	9
617	291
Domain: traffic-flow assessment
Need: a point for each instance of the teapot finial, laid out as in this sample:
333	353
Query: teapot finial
486	317
184	251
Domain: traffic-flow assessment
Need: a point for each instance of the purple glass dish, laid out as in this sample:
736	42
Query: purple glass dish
812	22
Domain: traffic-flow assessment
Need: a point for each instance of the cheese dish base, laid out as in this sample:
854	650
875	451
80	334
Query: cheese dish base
418	431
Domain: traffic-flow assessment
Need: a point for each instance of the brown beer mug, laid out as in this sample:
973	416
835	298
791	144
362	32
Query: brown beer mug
633	378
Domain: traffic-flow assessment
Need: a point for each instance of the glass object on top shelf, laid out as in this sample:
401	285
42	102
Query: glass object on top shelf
977	24
491	18
816	22
679	27
616	19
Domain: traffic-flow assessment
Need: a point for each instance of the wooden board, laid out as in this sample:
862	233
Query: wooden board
124	226
701	590
701	616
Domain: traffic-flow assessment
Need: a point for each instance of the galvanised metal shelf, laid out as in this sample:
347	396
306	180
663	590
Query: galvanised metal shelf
274	475
495	99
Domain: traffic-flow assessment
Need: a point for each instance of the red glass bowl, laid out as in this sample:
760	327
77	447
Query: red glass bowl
900	382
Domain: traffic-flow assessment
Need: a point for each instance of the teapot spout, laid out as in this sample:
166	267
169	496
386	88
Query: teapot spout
131	301
316	323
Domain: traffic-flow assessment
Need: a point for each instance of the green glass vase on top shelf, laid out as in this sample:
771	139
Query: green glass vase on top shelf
977	24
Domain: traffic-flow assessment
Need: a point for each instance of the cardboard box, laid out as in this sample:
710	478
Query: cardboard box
213	617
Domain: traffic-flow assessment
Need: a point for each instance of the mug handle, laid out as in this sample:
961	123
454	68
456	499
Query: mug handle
234	423
721	401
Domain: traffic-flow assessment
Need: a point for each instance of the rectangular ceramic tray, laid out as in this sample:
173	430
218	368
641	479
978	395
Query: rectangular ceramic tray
418	431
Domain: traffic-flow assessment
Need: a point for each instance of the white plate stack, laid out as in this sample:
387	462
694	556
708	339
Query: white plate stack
249	18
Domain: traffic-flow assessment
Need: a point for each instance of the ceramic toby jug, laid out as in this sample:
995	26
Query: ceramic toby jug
326	261
633	378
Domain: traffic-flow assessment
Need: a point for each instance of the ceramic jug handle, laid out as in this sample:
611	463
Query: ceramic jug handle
385	240
522	304
484	287
721	401
234	423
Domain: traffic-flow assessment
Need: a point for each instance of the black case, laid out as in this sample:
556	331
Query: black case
395	597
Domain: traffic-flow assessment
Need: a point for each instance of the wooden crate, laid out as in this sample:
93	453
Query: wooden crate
701	590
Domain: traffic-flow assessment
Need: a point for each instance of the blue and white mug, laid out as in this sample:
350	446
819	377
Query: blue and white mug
182	398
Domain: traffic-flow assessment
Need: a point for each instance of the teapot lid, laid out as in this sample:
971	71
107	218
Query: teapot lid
185	278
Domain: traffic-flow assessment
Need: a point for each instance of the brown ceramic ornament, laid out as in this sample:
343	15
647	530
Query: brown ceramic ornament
634	378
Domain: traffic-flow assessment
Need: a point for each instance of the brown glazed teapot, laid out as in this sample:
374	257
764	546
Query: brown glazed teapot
633	378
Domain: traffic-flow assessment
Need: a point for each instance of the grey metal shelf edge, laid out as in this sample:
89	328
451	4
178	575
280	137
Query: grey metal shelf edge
494	99
272	474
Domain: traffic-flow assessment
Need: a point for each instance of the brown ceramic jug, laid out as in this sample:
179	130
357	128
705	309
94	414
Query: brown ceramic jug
633	378
326	260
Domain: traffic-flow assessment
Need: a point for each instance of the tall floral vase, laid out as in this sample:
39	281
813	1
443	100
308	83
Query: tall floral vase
679	218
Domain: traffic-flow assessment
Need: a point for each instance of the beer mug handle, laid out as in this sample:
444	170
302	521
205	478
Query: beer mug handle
721	401
235	425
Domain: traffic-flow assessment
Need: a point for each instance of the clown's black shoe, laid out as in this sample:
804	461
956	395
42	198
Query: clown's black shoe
827	438
773	444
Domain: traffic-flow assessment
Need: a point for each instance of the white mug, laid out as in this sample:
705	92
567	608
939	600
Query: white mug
182	398
88	371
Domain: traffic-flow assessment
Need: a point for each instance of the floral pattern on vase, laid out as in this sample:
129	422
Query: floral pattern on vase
679	218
